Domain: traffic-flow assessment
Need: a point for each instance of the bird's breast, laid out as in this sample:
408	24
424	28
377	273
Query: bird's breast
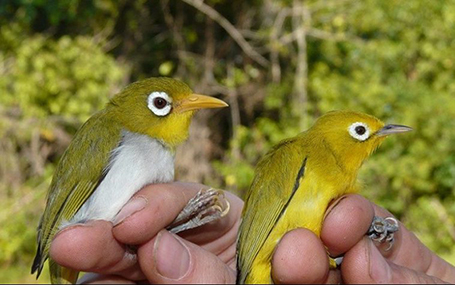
137	161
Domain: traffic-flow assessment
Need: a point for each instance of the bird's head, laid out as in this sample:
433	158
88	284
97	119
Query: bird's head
161	108
353	136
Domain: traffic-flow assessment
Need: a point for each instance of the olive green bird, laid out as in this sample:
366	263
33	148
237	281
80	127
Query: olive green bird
295	182
120	149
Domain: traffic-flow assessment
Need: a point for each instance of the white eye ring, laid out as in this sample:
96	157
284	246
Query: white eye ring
359	131
159	103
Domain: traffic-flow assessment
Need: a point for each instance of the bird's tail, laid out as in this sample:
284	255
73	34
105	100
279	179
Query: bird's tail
62	275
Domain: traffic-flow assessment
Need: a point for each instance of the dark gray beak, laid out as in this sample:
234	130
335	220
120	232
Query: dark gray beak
392	129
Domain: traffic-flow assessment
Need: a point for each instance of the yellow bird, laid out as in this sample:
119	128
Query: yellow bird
120	149
295	182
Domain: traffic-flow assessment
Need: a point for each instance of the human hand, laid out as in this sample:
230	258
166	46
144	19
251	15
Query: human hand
301	257
205	254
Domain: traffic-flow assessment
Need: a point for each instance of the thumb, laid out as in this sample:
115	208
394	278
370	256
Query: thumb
169	259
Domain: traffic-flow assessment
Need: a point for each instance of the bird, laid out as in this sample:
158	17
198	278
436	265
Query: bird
296	180
117	151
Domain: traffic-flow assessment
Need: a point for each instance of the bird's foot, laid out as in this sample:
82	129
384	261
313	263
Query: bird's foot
335	262
208	205
382	230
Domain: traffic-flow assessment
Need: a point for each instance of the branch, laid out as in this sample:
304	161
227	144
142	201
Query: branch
301	23
274	57
319	34
230	29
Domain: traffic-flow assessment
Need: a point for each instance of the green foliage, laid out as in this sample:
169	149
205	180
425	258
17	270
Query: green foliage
422	215
48	88
68	77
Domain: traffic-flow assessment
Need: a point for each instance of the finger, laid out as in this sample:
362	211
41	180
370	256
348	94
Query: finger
300	257
365	264
347	223
223	247
408	251
150	210
156	206
92	247
349	220
170	259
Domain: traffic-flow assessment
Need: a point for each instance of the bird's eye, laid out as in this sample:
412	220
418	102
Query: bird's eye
359	131
159	103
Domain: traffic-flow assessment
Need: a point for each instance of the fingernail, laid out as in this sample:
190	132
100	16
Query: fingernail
172	257
332	206
380	270
134	205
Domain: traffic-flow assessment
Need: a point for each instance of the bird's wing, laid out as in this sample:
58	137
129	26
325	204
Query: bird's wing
80	170
277	177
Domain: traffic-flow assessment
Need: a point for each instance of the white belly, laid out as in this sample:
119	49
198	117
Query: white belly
138	161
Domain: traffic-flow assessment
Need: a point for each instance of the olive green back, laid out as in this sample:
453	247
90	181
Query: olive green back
78	173
272	188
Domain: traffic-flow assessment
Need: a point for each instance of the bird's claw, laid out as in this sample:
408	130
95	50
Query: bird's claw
208	205
382	230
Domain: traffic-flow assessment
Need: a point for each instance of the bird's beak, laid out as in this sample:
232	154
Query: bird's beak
197	101
392	129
